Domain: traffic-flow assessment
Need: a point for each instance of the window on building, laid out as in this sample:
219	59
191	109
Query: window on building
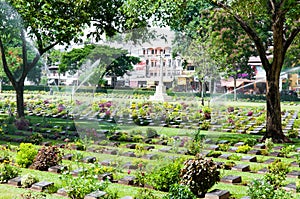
190	68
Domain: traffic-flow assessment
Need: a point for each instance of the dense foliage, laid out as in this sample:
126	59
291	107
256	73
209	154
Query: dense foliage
200	174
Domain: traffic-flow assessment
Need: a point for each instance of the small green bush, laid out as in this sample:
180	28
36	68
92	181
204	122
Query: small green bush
277	173
269	144
285	151
163	177
7	172
235	157
82	185
200	174
28	180
33	195
35	138
214	154
243	148
26	154
250	141
178	191
261	188
145	194
224	147
151	133
293	133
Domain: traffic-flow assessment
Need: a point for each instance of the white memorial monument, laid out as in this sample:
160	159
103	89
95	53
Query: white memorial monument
160	91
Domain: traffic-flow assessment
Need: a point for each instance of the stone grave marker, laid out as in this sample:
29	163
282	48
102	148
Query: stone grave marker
295	164
95	195
89	159
111	151
107	163
232	149
130	146
225	156
231	179
217	194
76	172
213	147
165	149
290	187
127	197
249	159
239	144
254	132
254	152
246	197
148	148
129	154
67	157
57	169
223	142
15	181
92	149
275	154
129	165
269	161
62	192
114	144
293	174
150	156
259	146
241	167
106	176
277	147
41	186
263	170
127	180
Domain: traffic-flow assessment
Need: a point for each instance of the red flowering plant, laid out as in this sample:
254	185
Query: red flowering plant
140	175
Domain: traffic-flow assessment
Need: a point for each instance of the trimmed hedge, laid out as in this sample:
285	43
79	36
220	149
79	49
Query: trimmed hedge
147	92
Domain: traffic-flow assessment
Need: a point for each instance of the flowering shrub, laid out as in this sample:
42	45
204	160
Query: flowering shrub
7	172
28	180
46	158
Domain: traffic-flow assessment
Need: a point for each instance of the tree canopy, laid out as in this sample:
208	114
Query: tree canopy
272	26
113	62
51	23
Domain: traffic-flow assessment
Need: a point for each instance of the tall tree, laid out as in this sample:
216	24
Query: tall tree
272	25
234	56
113	62
50	23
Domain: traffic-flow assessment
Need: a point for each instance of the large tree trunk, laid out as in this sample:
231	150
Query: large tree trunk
274	125
20	99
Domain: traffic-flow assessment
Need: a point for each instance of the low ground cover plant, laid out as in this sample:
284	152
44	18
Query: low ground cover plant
161	178
8	172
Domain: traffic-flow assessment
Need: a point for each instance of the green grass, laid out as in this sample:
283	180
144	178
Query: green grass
237	191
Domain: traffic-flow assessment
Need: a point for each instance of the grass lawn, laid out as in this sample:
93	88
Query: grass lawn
237	191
